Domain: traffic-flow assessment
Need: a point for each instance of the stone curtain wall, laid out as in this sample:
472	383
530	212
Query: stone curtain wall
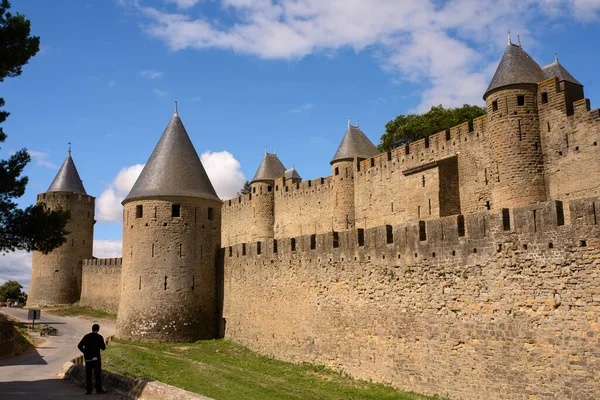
101	284
493	305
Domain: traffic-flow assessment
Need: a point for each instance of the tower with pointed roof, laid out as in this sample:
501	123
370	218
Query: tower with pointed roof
171	242
355	146
263	196
56	276
513	124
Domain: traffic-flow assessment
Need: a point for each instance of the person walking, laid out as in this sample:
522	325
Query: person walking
90	346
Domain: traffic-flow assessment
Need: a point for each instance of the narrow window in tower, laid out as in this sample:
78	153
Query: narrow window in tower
269	188
253	190
293	244
258	248
548	125
372	162
389	154
230	251
193	281
357	170
152	249
275	246
180	247
337	171
210	214
72	242
520	133
423	179
544	97
495	106
196	212
139	211
567	140
488	205
485	175
83	242
419	211
429	206
175	210
313	242
140	283
407	149
155	212
392	205
243	249
346	172
165	282
520	100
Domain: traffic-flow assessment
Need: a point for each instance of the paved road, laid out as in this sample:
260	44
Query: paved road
33	376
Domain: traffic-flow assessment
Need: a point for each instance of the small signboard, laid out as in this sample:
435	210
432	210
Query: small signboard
33	315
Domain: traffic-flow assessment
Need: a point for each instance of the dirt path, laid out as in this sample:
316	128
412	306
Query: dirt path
33	376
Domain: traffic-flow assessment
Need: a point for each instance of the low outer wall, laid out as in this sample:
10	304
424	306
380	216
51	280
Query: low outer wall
101	284
488	314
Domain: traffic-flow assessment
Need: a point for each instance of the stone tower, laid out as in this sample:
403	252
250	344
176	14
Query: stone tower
171	240
56	276
513	123
354	145
263	196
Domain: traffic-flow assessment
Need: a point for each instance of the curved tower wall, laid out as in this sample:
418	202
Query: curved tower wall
168	284
343	195
56	276
517	153
263	209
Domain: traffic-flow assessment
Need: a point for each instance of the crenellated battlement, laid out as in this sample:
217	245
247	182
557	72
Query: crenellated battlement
103	262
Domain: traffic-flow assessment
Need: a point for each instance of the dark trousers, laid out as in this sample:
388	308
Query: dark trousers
97	367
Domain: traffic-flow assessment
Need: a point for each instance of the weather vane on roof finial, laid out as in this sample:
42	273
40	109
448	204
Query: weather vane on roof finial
357	122
348	122
519	40
175	106
555	57
69	148
509	42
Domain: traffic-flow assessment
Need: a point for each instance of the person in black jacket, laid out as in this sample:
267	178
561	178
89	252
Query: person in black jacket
90	346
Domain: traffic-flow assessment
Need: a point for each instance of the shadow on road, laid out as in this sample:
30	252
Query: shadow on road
42	389
32	358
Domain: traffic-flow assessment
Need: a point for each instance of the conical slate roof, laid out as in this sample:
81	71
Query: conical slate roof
270	168
515	67
173	168
292	174
354	144
67	179
556	69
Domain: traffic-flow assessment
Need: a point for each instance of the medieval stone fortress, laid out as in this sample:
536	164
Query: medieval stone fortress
465	263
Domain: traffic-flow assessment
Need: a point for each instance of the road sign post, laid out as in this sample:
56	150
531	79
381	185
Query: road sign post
33	315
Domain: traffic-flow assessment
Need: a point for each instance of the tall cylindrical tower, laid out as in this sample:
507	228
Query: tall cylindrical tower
263	196
513	123
171	240
56	276
354	145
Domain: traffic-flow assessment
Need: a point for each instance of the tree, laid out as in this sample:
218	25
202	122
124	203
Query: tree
408	128
247	188
35	227
12	290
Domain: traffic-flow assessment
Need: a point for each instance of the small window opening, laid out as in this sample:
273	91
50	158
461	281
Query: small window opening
140	284
488	205
422	231
426	142
550	245
389	233
193	281
372	162
269	188
548	126
583	243
180	250
211	213
429	206
357	167
361	237
243	249
165	282
175	210
544	97
448	134
506	219
407	149
474	251
139	211
346	172
495	106
275	246
313	242
560	213
520	100
460	224
525	246
520	133
336	241
152	250
322	181
293	244
337	171
567	139
258	248
392	205
423	180
419	211
389	154
230	251
485	175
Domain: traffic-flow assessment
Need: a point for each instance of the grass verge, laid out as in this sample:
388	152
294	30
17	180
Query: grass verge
22	342
222	369
79	311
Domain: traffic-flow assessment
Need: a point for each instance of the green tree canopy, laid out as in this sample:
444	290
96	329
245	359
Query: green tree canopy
11	290
247	188
408	128
35	227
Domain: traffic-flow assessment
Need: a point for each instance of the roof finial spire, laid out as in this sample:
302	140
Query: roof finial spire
555	57
348	122
175	106
69	148
274	151
509	42
519	40
357	122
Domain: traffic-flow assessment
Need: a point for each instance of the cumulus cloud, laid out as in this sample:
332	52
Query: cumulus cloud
108	204
16	266
111	248
149	74
450	46
160	93
41	158
224	172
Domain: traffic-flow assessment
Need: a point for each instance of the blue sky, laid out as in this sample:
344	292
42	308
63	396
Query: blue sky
256	74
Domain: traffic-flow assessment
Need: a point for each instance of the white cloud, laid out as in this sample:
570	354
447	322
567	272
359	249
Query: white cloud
304	107
112	83
184	3
224	172
41	158
160	93
108	204
16	266
149	74
111	248
449	46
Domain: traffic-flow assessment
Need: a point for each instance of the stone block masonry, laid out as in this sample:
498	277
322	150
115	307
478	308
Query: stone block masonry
500	304
101	284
